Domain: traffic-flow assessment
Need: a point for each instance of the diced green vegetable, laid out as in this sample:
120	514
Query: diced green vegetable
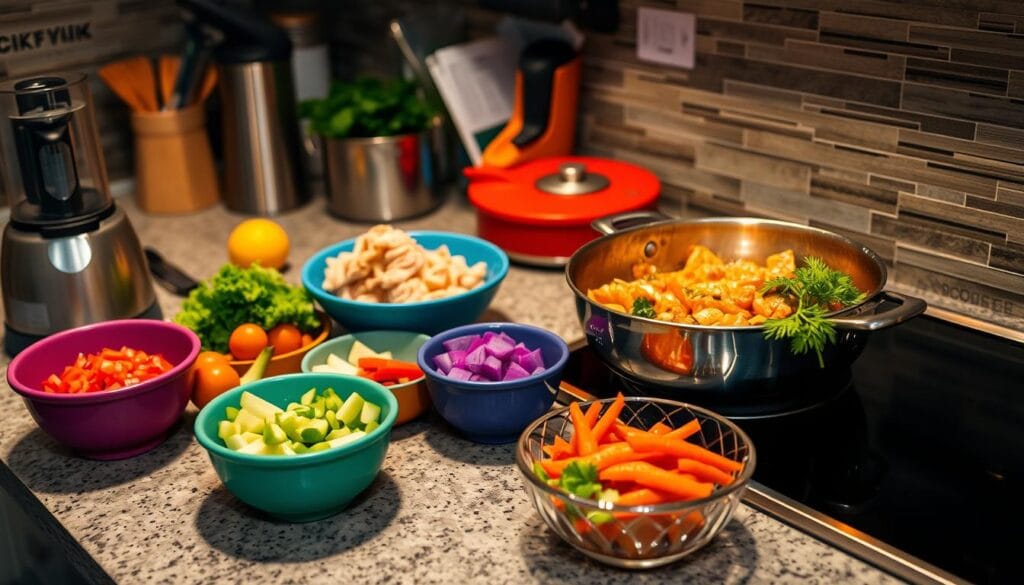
314	430
273	434
337	434
260	427
332	420
227	428
351	409
308	397
354	435
235	442
322	446
370	413
249	422
258	406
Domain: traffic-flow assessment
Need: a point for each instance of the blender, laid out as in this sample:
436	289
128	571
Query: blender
69	257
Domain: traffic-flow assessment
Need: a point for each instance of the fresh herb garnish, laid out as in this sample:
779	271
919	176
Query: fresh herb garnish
642	307
580	479
817	289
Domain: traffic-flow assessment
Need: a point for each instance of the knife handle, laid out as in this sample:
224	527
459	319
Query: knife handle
168	275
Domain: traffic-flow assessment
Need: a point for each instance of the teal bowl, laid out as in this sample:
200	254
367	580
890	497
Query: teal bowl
428	317
307	487
413	398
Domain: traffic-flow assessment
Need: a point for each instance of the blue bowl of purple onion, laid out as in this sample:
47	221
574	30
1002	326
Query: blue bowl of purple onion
491	380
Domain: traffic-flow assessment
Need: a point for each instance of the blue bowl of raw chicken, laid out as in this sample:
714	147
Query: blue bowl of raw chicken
431	316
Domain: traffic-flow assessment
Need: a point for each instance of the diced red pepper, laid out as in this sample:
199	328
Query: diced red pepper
107	370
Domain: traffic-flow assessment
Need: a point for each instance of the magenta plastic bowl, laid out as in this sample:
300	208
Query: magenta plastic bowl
118	423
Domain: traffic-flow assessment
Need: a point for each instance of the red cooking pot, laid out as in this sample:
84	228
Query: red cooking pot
540	212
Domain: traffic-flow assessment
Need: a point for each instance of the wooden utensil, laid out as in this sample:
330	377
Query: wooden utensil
133	81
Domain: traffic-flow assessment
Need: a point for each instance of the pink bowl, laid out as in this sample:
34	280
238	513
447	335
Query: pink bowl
119	423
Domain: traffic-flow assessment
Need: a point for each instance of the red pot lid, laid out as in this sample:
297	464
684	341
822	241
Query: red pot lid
570	190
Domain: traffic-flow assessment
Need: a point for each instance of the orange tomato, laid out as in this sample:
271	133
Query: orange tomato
306	339
211	381
285	338
210	358
247	341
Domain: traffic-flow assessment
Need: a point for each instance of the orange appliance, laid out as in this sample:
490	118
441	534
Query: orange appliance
543	121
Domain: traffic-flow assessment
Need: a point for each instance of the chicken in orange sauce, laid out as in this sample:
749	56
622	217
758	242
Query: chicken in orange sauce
706	291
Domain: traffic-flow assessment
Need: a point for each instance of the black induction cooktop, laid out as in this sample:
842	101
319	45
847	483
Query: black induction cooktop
920	444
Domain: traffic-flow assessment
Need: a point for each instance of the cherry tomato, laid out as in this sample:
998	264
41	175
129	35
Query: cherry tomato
285	338
306	339
211	381
247	341
210	358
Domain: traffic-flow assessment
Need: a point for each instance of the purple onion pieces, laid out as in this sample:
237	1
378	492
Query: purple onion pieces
443	361
457	343
515	372
491	368
459	374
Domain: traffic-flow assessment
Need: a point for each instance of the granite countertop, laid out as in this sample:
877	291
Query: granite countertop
442	509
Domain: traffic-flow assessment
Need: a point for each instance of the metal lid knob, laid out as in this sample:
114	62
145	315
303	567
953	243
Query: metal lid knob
572	179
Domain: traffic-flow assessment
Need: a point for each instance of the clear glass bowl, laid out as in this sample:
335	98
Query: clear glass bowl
638	537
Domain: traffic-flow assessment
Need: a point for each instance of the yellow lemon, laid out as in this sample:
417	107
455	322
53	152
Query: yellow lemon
258	240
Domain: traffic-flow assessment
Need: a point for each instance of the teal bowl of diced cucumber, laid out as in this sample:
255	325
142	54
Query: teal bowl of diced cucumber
299	447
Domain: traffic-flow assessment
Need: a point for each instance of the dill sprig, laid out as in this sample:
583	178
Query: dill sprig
817	289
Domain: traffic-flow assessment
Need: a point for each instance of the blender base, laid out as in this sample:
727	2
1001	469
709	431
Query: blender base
15	341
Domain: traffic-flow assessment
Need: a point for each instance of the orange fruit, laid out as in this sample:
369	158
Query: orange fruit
258	240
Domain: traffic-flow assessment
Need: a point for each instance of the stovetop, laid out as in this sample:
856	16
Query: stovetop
920	444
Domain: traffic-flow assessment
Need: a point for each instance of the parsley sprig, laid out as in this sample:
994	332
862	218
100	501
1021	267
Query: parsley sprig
817	289
642	307
580	479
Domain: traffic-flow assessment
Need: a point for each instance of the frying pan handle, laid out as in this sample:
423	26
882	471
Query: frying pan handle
613	223
907	308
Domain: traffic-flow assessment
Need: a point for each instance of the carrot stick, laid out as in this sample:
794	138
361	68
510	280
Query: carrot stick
647	442
640	497
610	417
660	429
704	472
648	475
606	456
590	416
612	437
583	433
684	432
559	449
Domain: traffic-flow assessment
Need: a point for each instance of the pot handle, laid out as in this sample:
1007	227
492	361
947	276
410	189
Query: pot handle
613	223
907	308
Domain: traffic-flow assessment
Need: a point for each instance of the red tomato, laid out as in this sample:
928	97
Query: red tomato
247	341
285	338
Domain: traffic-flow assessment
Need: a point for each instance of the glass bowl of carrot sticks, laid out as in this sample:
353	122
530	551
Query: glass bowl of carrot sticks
635	482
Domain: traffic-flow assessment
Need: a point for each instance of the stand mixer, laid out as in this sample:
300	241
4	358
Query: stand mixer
70	257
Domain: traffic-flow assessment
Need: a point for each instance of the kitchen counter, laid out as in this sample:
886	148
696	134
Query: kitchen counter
442	509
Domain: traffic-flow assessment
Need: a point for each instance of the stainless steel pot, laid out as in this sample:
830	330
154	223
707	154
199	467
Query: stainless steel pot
384	178
720	362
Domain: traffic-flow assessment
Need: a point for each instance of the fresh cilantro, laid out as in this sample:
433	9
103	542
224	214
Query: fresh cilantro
642	307
817	289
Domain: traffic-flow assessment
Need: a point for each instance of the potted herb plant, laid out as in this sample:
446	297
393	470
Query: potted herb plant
380	147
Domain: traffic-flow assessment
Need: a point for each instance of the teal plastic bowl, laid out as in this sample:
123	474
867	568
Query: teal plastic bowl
428	317
307	487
